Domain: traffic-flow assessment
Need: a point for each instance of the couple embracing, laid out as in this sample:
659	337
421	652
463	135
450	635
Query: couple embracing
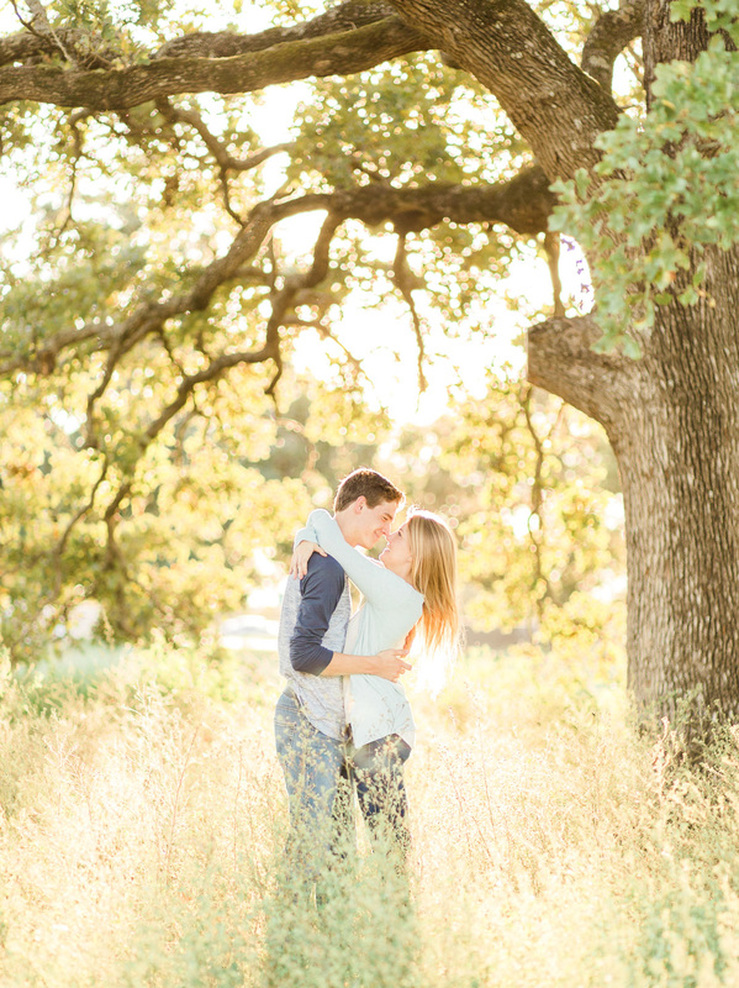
343	720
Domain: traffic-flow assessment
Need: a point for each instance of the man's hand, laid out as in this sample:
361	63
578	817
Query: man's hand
301	555
391	664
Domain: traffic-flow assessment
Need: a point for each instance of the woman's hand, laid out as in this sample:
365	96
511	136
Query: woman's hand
301	555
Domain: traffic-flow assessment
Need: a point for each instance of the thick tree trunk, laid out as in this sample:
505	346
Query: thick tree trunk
673	421
678	452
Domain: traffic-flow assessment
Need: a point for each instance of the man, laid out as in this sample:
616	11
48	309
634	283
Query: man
309	720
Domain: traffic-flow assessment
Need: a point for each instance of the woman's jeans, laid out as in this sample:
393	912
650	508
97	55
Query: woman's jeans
378	771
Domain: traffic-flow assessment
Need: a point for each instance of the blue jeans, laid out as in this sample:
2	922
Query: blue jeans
378	771
316	779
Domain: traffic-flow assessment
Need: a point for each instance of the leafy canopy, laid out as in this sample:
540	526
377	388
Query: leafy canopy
667	186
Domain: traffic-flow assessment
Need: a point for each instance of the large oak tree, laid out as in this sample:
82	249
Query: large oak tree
655	362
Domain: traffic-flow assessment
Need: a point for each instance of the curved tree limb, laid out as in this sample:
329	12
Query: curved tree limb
218	150
150	317
224	159
186	388
610	35
30	45
553	104
557	107
524	204
561	359
224	362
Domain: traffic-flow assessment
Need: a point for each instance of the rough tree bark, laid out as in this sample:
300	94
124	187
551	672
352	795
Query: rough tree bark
672	419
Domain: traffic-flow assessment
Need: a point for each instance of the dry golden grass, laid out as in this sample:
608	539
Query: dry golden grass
142	817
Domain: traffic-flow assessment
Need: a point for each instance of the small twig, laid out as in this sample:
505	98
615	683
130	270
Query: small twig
551	248
39	14
536	498
403	278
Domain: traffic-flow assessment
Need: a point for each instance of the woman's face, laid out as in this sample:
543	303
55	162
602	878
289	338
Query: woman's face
396	555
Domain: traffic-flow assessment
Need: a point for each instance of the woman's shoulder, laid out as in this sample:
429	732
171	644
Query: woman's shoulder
402	594
320	515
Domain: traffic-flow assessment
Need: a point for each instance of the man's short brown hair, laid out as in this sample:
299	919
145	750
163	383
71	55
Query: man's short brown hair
369	484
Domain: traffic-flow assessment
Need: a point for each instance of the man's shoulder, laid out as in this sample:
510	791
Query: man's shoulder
325	568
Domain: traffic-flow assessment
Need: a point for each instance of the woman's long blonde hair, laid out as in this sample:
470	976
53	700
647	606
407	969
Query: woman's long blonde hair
434	574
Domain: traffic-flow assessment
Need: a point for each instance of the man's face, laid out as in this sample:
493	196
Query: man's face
373	523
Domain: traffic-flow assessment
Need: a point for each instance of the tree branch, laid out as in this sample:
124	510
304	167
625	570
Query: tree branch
610	35
223	158
404	280
523	204
218	150
150	317
122	88
561	359
348	16
553	104
215	369
41	39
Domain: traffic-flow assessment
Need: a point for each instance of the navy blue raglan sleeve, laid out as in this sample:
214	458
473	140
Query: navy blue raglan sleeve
320	591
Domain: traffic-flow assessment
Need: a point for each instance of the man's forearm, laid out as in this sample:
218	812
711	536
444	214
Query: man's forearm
348	665
388	664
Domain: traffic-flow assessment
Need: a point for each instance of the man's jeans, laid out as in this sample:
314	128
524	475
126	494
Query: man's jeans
317	788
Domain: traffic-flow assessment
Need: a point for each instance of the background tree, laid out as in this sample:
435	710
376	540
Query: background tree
530	486
390	149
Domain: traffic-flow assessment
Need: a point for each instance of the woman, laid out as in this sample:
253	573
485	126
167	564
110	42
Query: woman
410	591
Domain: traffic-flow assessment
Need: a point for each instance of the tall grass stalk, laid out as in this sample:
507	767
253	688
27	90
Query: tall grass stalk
142	821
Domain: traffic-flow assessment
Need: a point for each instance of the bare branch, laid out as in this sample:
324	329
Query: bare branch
225	161
58	550
221	155
406	282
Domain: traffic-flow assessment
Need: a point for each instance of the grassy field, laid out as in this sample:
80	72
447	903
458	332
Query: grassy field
142	816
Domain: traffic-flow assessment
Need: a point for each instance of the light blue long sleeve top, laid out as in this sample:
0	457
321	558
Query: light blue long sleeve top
375	707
